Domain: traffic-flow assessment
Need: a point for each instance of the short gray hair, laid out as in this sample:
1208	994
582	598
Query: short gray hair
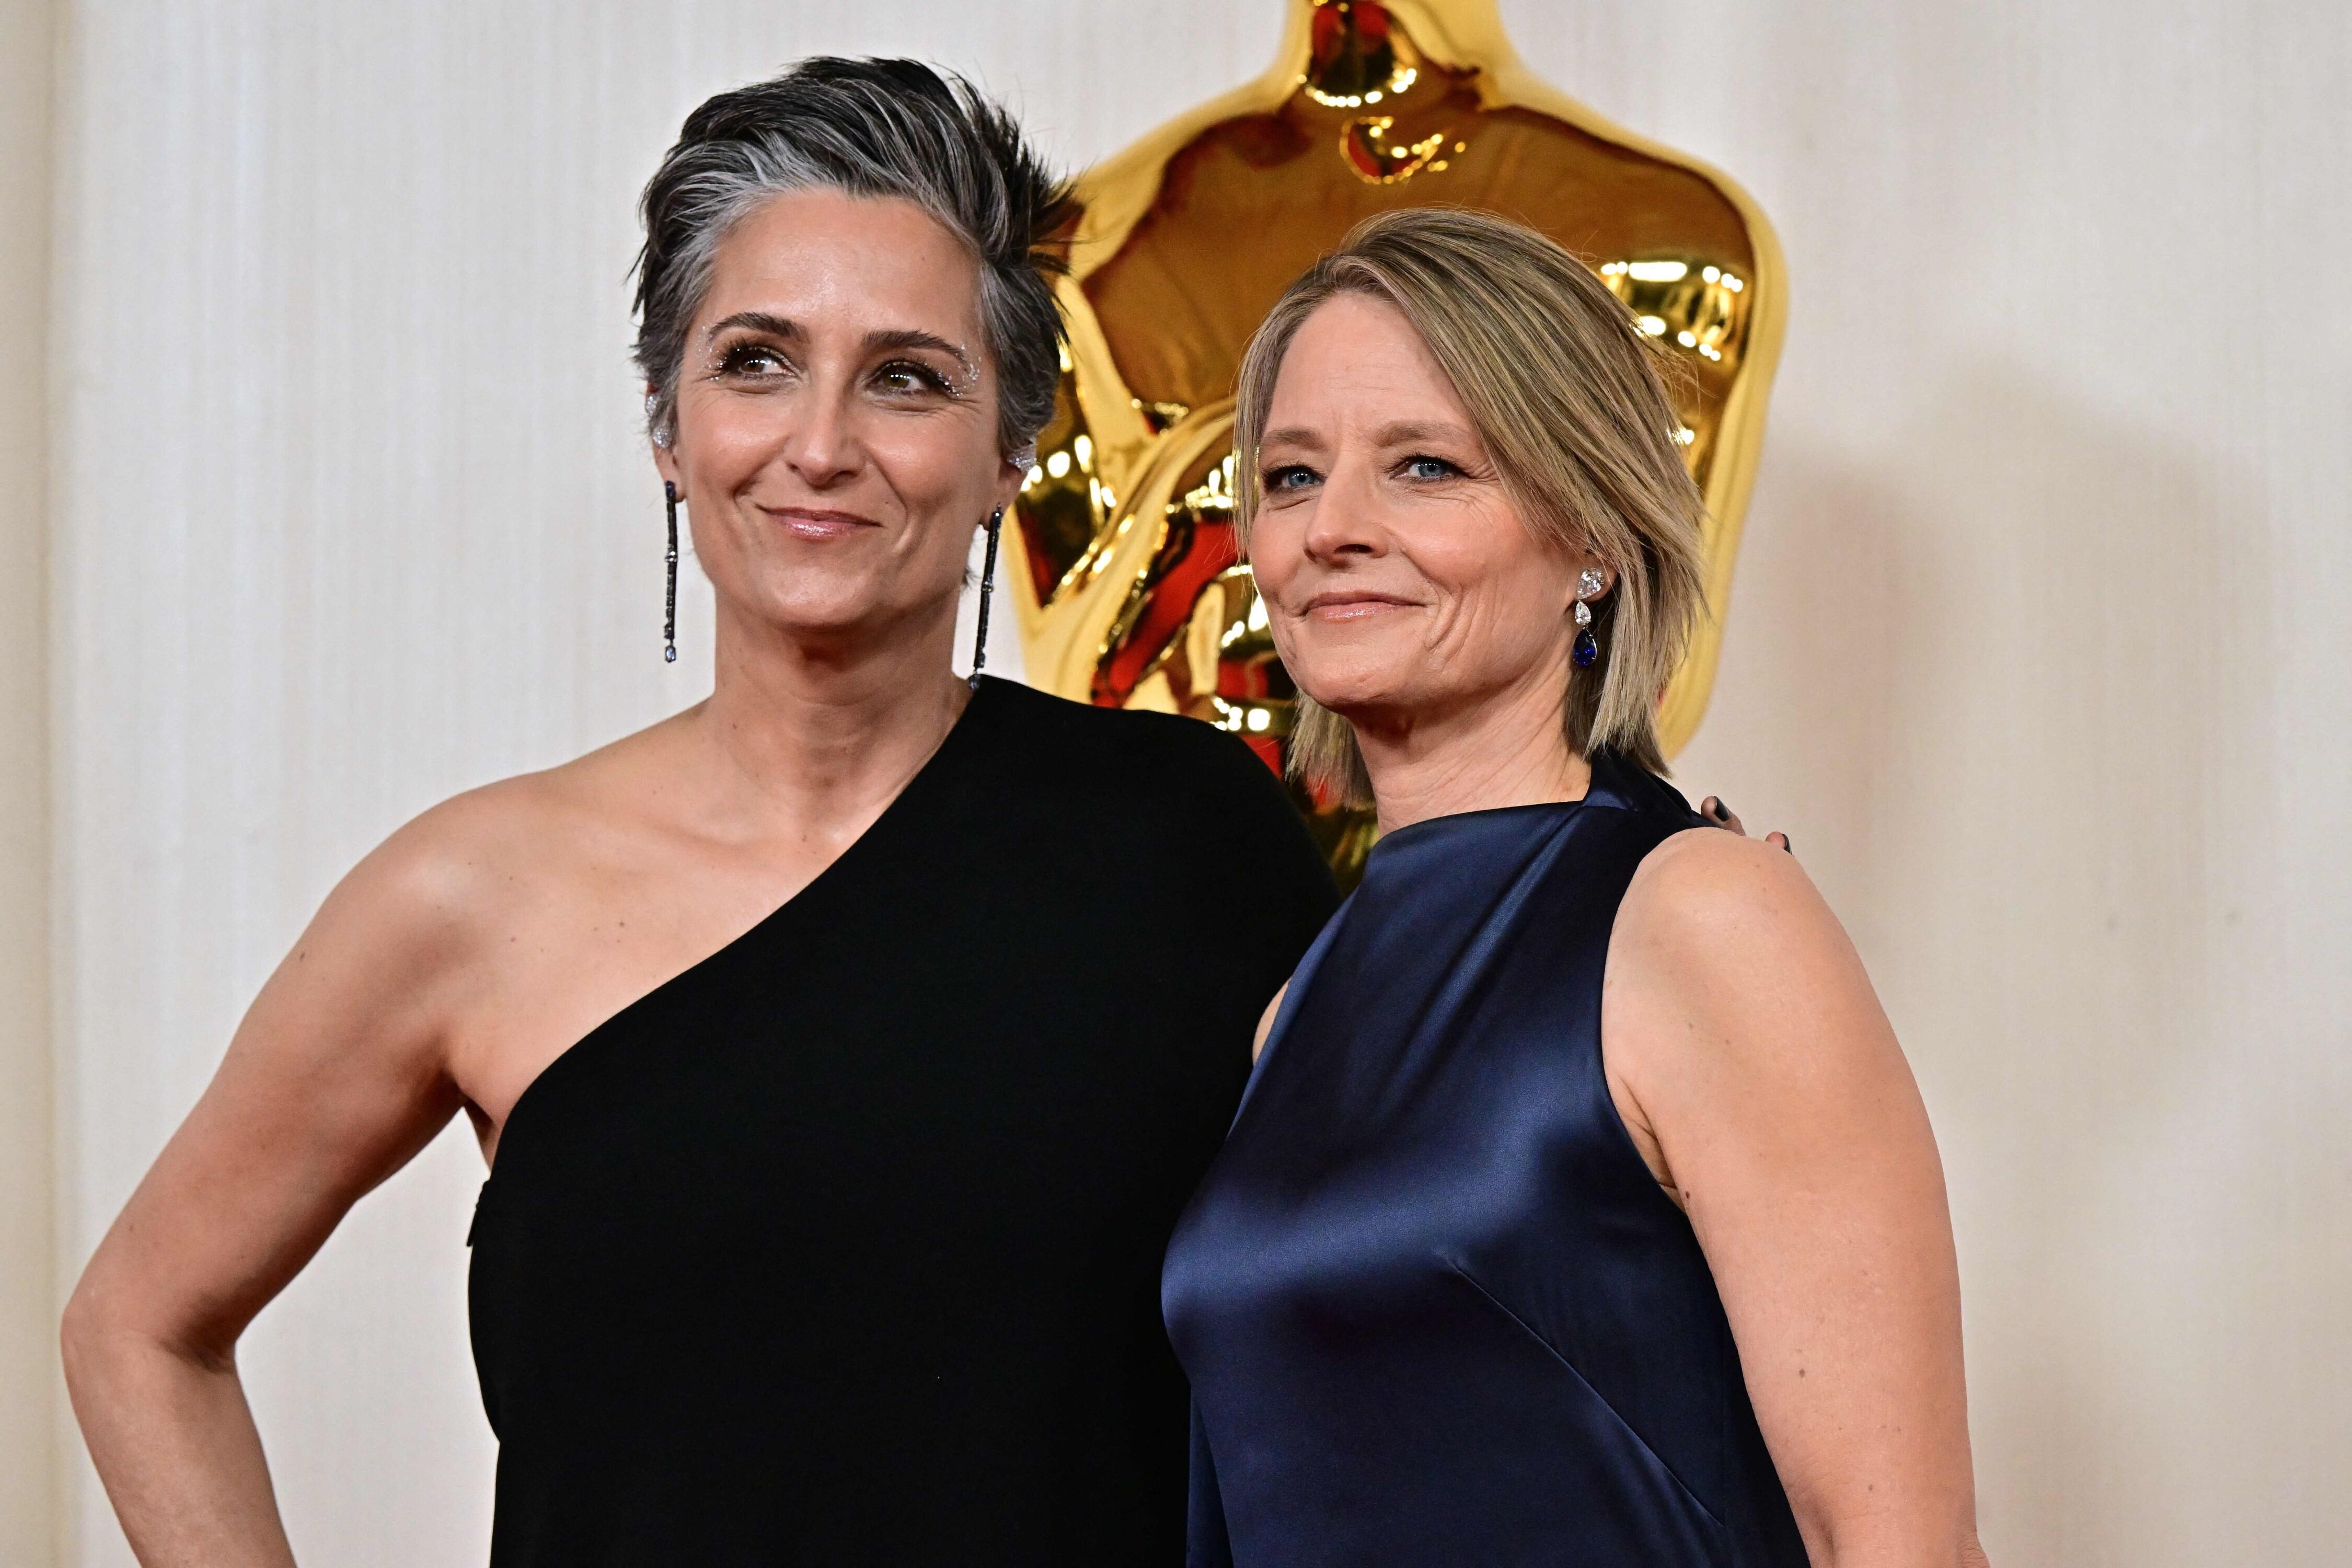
869	127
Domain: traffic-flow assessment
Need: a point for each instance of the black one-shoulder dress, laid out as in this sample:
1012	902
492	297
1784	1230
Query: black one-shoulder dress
843	1247
1436	1310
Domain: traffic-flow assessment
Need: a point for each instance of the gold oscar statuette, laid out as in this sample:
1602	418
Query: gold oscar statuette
1123	570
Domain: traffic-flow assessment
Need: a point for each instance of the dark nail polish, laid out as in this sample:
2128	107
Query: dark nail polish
1789	844
1722	812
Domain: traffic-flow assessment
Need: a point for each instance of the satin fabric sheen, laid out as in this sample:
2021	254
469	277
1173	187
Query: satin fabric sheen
1434	1308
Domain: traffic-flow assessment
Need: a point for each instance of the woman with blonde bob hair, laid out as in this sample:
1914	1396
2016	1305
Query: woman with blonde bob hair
1581	1207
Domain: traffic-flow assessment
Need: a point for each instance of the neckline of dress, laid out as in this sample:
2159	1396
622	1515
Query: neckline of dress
1480	817
1602	788
954	742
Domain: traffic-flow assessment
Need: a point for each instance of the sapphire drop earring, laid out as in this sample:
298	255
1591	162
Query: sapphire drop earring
1591	583
987	586
670	602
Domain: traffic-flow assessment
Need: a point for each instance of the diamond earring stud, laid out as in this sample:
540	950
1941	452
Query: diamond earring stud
1591	583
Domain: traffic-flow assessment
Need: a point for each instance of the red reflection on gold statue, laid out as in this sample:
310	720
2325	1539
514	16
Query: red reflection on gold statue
1129	590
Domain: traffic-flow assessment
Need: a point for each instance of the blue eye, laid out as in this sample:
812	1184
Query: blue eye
1295	477
1429	468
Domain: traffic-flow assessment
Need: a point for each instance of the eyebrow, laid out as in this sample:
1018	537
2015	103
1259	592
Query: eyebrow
1402	433
1405	432
888	338
1293	436
756	321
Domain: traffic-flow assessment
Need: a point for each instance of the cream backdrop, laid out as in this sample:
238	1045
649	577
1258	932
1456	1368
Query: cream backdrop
2039	647
27	1277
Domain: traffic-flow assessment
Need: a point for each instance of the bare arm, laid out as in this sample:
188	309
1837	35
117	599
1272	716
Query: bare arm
334	1080
1266	1021
1761	1080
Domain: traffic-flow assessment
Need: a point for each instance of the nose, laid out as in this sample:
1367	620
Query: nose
820	443
1344	522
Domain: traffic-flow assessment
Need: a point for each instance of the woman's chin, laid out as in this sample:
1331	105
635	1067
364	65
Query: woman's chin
1359	703
823	618
1347	687
827	603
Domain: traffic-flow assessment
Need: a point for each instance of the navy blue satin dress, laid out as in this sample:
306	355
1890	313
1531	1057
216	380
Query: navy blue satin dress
1434	1308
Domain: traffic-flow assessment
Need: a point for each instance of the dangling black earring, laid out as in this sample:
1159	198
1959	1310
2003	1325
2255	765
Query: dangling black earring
987	586
669	602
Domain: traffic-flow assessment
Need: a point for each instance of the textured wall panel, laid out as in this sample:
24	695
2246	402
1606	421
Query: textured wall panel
30	1413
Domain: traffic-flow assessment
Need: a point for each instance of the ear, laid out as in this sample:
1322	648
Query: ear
1011	474
663	449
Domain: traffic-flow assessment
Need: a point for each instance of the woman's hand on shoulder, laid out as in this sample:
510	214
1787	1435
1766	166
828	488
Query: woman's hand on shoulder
1721	816
1751	1058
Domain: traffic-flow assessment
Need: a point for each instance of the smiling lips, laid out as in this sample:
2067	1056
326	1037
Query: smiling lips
1345	605
817	523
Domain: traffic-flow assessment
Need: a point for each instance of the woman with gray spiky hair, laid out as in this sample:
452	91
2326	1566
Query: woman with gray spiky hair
846	1044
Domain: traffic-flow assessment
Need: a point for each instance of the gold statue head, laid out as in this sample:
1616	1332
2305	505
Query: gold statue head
1129	589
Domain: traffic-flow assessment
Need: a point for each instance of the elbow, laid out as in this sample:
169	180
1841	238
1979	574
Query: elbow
1919	1537
82	1338
103	1340
1873	1548
93	1339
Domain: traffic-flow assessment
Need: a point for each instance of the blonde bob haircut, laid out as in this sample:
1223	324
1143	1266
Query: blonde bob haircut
1567	393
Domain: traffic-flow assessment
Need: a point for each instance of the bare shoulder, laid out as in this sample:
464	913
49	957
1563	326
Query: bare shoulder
1706	882
1724	949
451	864
1713	903
454	875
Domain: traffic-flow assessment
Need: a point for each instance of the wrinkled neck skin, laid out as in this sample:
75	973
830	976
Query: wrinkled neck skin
824	729
1483	750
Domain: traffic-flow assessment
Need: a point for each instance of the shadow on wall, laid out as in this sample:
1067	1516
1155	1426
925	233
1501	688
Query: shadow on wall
2002	676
